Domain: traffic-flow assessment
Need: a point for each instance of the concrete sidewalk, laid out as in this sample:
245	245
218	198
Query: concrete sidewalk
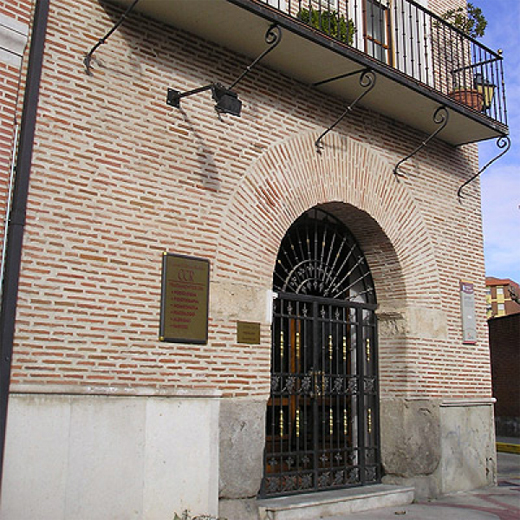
500	502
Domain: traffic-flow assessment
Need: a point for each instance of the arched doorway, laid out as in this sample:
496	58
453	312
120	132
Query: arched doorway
322	416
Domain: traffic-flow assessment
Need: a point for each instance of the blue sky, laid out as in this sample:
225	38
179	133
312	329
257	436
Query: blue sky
501	181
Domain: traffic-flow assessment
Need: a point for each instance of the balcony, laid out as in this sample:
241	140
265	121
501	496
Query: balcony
420	61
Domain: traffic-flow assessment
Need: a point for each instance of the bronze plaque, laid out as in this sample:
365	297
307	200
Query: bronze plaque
184	299
248	332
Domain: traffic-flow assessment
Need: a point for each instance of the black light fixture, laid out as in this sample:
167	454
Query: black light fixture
486	90
227	100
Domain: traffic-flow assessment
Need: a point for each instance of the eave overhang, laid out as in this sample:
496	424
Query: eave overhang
311	57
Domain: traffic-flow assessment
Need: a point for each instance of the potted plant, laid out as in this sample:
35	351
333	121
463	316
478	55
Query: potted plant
470	22
329	22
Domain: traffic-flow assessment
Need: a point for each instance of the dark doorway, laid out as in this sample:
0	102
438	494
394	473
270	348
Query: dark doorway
322	415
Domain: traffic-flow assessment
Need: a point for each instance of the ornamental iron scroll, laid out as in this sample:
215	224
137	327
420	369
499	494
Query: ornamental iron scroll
441	117
368	81
504	143
273	37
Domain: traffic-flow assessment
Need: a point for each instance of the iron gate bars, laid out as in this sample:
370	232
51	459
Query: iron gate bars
322	426
318	256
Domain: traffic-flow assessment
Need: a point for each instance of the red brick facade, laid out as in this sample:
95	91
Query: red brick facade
504	342
11	96
119	177
20	10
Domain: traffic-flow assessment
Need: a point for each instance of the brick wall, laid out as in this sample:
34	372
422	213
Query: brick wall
9	81
20	10
16	16
441	6
119	177
504	342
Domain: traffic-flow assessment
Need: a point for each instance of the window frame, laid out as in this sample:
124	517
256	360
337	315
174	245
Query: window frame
371	43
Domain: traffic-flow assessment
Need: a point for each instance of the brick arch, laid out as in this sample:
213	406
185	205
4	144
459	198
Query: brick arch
349	179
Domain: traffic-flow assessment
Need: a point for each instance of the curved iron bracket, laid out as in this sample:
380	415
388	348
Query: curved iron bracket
227	99
440	117
88	58
273	37
502	142
368	81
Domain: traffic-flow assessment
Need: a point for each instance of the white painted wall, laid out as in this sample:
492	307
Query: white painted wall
110	457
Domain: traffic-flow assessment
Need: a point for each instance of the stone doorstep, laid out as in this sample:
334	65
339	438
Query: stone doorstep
334	503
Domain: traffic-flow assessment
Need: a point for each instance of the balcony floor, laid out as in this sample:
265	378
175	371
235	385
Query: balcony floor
240	25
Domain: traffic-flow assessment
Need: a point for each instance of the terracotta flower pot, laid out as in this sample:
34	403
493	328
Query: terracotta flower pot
469	97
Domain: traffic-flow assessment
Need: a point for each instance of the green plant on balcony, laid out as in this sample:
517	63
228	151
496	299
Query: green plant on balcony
470	21
329	22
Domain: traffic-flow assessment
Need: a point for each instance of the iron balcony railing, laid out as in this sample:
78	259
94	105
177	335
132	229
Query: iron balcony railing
406	37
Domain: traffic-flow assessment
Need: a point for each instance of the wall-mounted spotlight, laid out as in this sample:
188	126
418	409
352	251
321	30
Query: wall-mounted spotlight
227	100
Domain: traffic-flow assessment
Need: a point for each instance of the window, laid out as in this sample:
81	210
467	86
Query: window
323	5
377	30
279	4
331	5
501	309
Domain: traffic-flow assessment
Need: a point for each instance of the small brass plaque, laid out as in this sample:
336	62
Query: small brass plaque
248	332
184	299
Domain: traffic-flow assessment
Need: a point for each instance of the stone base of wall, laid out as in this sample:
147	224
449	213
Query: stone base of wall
98	456
438	446
242	441
238	509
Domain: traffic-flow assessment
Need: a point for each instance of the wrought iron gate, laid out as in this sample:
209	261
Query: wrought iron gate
322	415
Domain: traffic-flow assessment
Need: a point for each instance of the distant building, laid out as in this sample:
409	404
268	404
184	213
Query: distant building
504	343
502	297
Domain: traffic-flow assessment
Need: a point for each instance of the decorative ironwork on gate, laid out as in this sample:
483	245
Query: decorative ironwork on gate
322	415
